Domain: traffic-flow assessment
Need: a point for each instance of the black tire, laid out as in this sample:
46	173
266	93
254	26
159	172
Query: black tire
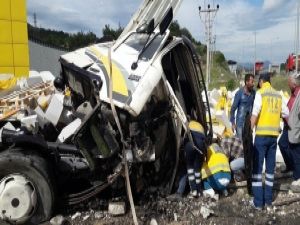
35	169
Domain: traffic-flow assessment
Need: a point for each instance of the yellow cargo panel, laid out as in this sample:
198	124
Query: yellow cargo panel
14	53
21	71
7	70
5	32
6	55
21	57
5	10
19	32
18	10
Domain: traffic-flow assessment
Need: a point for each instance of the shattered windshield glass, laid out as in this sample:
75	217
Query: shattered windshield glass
138	41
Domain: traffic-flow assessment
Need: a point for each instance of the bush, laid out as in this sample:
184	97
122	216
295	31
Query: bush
201	49
220	58
230	85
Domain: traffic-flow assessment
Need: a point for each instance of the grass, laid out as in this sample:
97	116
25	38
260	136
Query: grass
220	75
279	82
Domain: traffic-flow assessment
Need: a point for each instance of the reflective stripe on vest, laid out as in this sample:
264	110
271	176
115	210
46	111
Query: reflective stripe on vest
217	162
268	122
196	126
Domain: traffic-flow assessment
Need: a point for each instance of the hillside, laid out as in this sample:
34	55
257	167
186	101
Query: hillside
220	73
60	39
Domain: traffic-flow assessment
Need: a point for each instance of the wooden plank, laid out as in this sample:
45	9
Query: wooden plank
9	114
14	102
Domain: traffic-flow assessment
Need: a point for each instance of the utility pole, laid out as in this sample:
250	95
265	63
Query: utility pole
34	19
213	50
271	50
297	37
207	19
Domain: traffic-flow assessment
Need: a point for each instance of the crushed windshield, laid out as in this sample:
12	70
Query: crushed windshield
138	41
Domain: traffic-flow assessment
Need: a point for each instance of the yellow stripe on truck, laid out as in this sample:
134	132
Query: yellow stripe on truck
119	83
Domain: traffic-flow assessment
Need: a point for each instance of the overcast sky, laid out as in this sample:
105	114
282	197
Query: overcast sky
235	23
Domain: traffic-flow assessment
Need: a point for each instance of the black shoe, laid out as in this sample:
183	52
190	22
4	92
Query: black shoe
239	176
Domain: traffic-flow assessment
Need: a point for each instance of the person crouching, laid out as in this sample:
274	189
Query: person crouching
194	158
215	172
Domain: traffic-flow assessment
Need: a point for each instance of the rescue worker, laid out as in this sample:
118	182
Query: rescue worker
215	172
194	158
267	109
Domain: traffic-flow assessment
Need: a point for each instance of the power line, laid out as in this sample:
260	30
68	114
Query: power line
207	16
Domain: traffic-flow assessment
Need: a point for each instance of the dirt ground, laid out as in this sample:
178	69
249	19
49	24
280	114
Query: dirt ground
234	209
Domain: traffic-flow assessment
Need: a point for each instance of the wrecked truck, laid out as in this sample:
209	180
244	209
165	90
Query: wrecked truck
128	102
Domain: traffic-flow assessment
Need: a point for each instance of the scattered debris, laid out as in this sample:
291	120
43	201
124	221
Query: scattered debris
295	188
14	103
98	214
58	220
175	217
287	201
117	208
77	214
205	212
153	222
85	217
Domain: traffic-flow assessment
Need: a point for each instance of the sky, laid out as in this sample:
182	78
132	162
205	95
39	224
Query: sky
237	23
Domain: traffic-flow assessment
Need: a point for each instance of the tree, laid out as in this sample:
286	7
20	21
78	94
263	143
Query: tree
187	33
175	29
219	57
282	67
110	33
60	39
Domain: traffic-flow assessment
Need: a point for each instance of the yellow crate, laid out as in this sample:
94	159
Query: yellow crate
21	72
6	55
21	57
19	32
14	52
6	70
5	32
18	10
5	10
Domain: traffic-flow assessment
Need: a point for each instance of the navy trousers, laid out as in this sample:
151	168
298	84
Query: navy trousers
283	144
194	160
295	150
264	148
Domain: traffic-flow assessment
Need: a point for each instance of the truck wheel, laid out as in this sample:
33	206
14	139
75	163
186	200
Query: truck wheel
26	192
